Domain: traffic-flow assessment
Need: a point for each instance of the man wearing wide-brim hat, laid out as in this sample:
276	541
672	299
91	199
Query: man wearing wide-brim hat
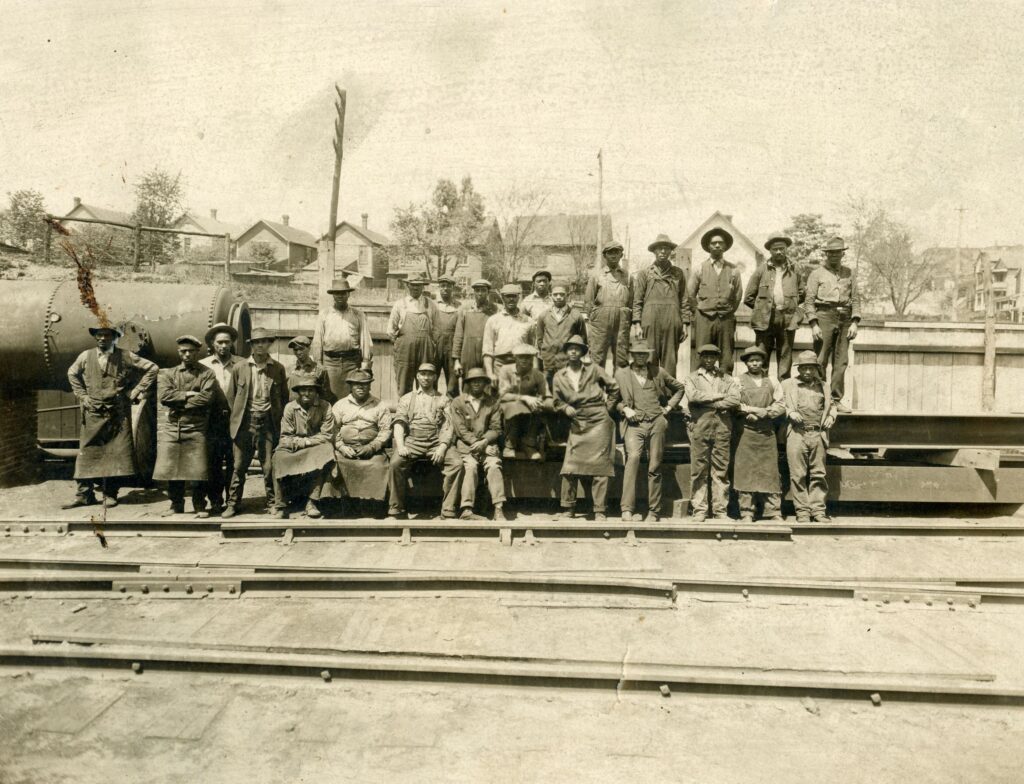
811	412
184	396
773	294
608	306
505	330
412	327
444	333
468	343
716	291
538	301
661	309
106	380
755	473
833	311
341	340
220	339
649	393
711	398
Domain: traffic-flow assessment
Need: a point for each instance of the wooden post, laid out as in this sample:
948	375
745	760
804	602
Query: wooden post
49	239
227	257
600	209
326	248
136	248
988	375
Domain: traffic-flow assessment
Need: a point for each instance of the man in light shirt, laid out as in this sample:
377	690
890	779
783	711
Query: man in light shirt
539	300
341	340
411	328
715	290
504	331
220	338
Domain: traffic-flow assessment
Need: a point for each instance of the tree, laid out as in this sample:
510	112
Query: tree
23	221
159	197
262	252
809	233
440	233
583	245
516	211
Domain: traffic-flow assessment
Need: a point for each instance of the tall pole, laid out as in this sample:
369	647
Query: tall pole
959	272
600	207
988	375
326	250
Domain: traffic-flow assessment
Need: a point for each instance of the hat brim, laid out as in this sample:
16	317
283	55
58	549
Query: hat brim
836	250
339	291
786	240
96	330
705	241
655	245
215	330
581	346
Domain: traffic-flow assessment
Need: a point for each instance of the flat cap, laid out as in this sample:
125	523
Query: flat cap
259	333
480	283
511	288
446	279
426	367
541	273
360	377
709	348
612	245
300	340
189	340
300	380
524	350
560	287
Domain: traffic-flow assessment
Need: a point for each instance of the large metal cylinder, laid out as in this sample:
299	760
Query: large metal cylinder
45	326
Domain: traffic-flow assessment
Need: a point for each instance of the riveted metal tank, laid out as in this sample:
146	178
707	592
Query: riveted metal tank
44	324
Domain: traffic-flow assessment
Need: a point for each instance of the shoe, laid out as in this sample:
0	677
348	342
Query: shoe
312	511
448	515
80	501
652	517
842	408
600	517
699	517
803	519
776	519
565	514
508	453
279	514
110	501
746	518
215	510
502	514
229	511
821	518
174	510
469	514
202	514
627	516
536	456
396	516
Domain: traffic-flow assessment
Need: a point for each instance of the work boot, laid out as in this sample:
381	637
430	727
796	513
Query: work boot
777	519
229	511
821	518
803	518
176	509
469	514
81	500
627	515
312	510
501	514
652	517
508	453
536	456
202	514
565	514
600	517
110	501
279	514
699	517
746	518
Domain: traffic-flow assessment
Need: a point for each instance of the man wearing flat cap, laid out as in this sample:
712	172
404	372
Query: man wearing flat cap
444	333
220	339
810	414
555	326
774	293
259	393
307	366
608	305
711	398
341	340
412	327
304	455
468	343
538	301
505	330
833	311
184	396
716	292
106	380
661	309
523	392
755	473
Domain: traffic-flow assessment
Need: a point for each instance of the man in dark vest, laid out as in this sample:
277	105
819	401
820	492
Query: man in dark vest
716	291
106	380
468	344
773	294
341	339
444	332
661	309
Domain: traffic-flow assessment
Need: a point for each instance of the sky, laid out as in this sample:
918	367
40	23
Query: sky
760	109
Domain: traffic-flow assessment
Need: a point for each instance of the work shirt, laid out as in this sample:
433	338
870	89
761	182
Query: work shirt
811	401
608	289
407	305
649	391
136	367
301	427
444	324
829	290
702	386
554	328
221	369
503	332
259	390
359	424
179	412
716	288
425	415
469	327
511	384
475	418
341	331
534	305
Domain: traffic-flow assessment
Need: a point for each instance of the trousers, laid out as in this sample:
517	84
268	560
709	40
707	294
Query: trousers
256	438
719	330
304	486
779	340
398	478
805	453
772	504
834	345
608	328
338	369
109	486
709	459
594	486
463	468
176	492
650	436
222	460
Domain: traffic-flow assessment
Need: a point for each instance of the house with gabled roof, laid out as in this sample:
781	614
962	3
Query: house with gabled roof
191	220
744	253
90	211
359	250
559	243
292	248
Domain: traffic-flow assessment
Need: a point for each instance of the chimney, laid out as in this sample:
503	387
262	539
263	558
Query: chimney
78	201
284	219
213	214
366	219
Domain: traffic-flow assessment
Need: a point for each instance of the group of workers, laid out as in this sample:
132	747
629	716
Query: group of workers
318	432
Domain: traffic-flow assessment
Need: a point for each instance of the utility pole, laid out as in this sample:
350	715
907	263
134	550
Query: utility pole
959	273
988	374
327	243
600	208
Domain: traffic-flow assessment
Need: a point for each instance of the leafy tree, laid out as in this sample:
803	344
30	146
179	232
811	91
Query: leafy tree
516	211
22	222
809	233
159	196
441	232
263	252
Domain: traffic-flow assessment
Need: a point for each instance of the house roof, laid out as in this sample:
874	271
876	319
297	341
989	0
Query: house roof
374	237
1012	257
210	225
718	218
560	230
286	233
101	213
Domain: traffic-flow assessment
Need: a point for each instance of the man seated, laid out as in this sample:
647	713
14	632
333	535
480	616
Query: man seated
304	454
523	393
422	432
476	423
363	430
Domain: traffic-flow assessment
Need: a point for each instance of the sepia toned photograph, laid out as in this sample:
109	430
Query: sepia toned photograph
473	391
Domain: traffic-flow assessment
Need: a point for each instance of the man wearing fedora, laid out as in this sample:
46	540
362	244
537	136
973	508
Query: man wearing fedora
307	366
106	380
259	393
444	332
468	343
811	412
755	473
774	293
220	339
608	305
505	330
716	292
661	308
538	301
649	393
411	327
341	340
711	398
832	308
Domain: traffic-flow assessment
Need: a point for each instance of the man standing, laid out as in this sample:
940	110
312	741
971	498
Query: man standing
504	331
774	293
833	312
755	472
811	413
476	425
221	340
523	393
341	339
257	399
716	291
305	365
422	432
411	328
586	395
444	333
184	395
304	455
711	397
363	430
539	300
555	326
106	380
661	309
468	343
649	394
608	304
